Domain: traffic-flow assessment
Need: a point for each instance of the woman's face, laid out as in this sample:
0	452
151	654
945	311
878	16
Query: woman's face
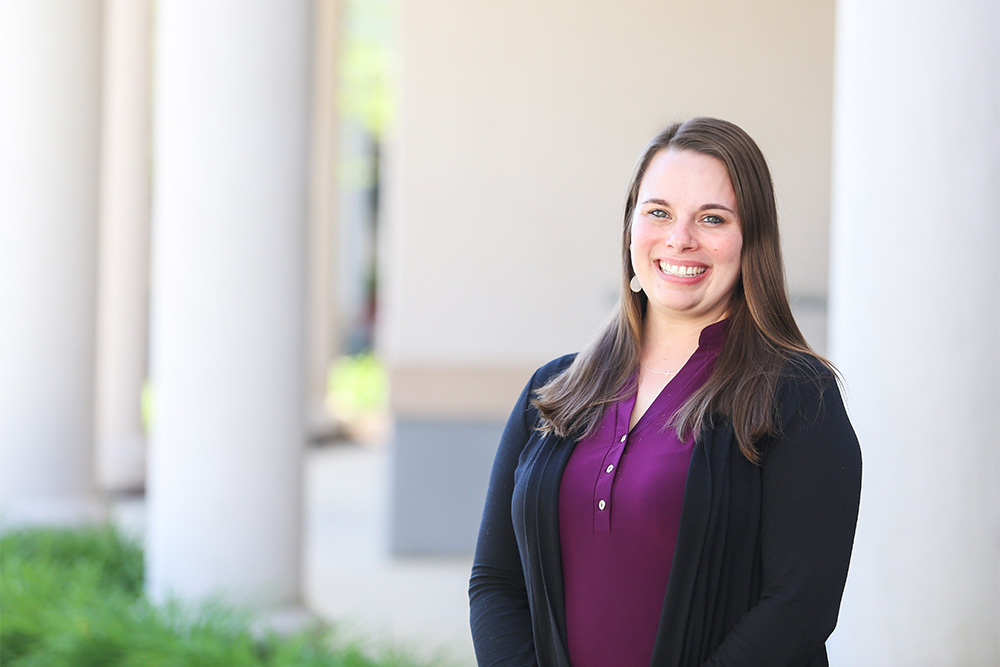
686	237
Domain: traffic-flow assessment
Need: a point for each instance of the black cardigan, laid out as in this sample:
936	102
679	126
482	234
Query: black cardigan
762	550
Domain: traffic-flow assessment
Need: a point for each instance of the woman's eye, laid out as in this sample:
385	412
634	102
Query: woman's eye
658	213
713	220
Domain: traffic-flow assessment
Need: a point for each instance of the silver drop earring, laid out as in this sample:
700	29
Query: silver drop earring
634	284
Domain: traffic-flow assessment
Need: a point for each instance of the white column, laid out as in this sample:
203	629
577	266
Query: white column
123	272
50	55
915	325
324	331
229	226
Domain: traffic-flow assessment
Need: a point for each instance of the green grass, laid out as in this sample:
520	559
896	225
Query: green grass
74	598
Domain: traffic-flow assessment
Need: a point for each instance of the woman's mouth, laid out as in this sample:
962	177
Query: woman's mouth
681	270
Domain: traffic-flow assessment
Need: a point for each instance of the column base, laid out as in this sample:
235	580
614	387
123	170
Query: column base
121	463
66	512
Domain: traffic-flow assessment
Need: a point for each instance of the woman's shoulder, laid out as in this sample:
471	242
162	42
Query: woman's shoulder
804	366
807	379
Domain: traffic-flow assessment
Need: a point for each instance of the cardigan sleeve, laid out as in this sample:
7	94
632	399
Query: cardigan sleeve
810	491
498	599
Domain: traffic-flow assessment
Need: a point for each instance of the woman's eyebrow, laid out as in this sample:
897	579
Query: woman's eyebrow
703	207
706	207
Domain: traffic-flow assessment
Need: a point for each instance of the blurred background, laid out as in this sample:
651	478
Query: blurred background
273	272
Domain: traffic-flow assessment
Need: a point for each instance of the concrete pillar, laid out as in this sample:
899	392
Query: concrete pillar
228	334
123	272
50	74
323	328
915	324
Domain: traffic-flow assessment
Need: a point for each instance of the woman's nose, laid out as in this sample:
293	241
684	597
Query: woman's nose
681	236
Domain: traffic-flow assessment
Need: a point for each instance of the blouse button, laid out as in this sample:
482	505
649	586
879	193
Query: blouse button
601	505
609	468
624	436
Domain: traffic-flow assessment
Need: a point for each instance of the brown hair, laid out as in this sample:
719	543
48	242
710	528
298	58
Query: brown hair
762	339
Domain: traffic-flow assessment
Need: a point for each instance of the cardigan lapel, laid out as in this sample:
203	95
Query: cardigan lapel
557	453
708	464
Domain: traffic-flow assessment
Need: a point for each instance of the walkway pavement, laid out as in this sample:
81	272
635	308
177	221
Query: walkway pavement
350	577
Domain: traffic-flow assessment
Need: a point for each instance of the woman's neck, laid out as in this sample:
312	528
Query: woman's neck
667	343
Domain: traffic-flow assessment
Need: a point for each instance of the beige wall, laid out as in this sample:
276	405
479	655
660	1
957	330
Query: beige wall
518	128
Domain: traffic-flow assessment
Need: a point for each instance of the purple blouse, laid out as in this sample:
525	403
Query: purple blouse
619	509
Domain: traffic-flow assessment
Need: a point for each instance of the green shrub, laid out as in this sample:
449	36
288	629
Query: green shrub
74	598
357	386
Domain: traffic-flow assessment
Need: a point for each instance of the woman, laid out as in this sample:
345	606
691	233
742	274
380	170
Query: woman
684	491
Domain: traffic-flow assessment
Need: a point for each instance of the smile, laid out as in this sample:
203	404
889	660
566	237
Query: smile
682	271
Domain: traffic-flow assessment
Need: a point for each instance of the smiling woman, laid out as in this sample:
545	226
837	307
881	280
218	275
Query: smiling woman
685	490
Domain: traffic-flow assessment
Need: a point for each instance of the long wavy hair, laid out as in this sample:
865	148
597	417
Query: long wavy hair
763	337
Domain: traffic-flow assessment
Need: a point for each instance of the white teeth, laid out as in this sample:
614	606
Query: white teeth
682	271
